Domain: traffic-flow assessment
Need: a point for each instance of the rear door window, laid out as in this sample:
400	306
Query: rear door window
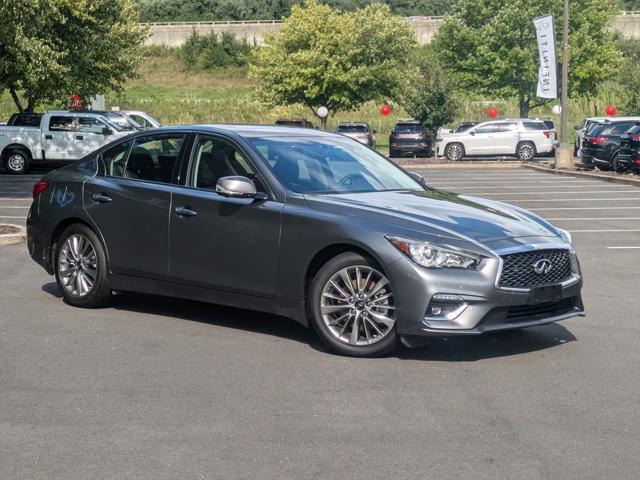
483	129
154	157
506	127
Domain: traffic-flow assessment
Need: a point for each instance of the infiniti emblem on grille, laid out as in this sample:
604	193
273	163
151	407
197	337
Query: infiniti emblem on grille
542	266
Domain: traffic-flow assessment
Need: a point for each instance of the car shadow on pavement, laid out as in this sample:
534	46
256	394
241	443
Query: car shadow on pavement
222	316
490	345
449	349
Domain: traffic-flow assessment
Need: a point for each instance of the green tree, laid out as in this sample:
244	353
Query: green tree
490	48
629	76
324	57
52	49
430	100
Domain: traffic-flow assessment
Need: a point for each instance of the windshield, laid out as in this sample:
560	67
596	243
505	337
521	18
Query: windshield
351	129
331	165
123	121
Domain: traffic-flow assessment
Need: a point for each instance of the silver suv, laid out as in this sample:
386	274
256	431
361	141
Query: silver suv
520	137
359	131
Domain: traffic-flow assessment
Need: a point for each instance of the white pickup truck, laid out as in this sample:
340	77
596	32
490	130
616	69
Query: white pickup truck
61	137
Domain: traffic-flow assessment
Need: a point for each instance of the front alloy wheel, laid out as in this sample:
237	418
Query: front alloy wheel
354	311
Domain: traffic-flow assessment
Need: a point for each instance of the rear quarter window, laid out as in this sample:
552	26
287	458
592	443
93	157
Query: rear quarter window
534	126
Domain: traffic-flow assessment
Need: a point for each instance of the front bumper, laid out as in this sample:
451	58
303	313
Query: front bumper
486	307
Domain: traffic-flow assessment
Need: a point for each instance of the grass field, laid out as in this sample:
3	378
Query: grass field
175	95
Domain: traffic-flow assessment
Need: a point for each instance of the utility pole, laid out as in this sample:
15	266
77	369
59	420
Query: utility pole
564	159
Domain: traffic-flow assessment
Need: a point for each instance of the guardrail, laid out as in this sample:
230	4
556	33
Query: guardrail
267	22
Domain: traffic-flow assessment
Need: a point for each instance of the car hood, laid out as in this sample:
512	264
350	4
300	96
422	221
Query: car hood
449	214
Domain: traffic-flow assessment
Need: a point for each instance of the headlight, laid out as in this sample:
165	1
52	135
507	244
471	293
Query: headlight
435	256
564	235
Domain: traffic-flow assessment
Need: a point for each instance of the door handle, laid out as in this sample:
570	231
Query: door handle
185	212
48	137
101	198
79	137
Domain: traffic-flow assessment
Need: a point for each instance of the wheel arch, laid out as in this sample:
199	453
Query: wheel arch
66	223
16	146
331	251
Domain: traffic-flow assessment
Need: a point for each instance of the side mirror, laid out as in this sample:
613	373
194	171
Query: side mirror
417	177
238	187
472	132
107	131
374	131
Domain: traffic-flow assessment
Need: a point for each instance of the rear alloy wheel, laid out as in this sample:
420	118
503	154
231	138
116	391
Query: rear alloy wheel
616	165
454	152
17	162
81	268
526	151
353	307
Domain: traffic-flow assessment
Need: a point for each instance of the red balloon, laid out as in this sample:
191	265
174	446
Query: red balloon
611	110
492	112
385	109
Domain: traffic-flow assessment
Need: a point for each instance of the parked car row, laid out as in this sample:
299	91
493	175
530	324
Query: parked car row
610	143
60	136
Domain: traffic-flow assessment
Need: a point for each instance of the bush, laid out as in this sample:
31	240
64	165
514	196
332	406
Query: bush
209	52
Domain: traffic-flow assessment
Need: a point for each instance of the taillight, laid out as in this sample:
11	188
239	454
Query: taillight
39	187
597	140
547	133
636	137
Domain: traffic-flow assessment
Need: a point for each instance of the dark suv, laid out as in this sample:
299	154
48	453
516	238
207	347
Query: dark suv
410	136
295	122
601	144
629	156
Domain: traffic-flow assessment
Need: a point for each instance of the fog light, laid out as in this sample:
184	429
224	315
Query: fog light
444	306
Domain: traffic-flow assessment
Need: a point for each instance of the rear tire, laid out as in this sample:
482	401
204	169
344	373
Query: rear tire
526	151
17	161
350	291
80	267
616	166
454	152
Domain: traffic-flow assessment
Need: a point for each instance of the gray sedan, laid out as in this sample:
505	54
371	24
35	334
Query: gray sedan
301	223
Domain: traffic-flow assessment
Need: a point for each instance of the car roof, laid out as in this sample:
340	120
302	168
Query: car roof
364	124
247	131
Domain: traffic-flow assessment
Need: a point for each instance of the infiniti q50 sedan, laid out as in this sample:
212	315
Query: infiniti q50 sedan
302	223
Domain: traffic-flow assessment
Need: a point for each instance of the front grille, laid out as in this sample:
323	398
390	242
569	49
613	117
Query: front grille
518	268
543	309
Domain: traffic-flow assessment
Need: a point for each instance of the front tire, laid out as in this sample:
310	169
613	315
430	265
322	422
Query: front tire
81	268
17	162
352	307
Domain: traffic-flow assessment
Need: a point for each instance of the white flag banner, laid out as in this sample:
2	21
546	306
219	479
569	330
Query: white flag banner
547	73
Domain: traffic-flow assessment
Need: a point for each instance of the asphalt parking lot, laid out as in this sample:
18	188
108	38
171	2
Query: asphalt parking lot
164	389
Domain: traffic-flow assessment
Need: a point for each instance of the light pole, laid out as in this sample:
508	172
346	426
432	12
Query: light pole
564	159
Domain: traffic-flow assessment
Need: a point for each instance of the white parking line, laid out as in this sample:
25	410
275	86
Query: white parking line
8	216
14	206
591	218
526	200
607	231
622	248
534	183
563	191
586	208
502	187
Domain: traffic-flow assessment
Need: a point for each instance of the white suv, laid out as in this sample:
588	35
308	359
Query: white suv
520	137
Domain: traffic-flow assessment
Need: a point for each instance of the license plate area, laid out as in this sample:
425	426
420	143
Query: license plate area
546	294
